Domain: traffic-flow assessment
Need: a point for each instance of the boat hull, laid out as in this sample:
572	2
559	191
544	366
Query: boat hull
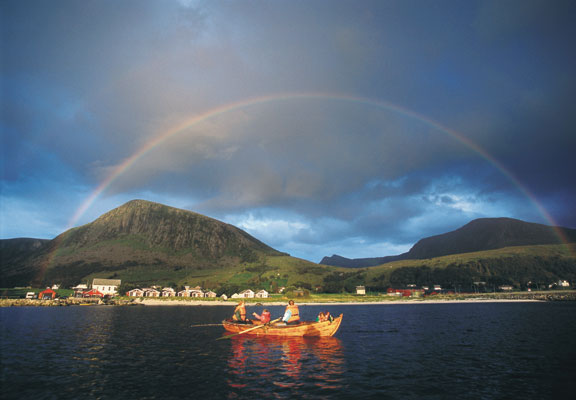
304	329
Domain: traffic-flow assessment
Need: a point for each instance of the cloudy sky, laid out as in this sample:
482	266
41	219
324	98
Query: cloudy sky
320	127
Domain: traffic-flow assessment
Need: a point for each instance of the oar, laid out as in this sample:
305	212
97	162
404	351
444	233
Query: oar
248	330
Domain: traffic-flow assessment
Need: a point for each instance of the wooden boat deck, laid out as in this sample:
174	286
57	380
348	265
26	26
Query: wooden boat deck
328	328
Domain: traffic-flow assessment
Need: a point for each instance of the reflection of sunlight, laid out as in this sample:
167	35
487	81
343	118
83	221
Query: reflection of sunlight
292	365
94	334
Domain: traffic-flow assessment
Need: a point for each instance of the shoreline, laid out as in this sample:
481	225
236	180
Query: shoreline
153	302
541	297
4	303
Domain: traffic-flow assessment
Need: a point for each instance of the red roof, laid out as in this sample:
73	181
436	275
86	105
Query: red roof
92	293
47	292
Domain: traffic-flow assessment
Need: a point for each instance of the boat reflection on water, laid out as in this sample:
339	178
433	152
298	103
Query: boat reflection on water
262	366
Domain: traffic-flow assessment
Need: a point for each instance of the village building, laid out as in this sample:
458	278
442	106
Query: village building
361	290
247	294
151	292
135	293
235	296
405	292
79	289
93	293
47	294
261	294
108	287
168	292
224	297
210	294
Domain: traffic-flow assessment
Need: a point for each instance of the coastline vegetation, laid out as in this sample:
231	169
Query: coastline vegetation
275	299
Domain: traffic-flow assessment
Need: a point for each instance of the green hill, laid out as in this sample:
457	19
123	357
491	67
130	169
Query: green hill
142	240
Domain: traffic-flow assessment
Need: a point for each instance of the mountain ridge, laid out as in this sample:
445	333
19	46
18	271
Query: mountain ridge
478	235
145	243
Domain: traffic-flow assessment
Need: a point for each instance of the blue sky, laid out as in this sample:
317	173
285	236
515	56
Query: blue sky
385	121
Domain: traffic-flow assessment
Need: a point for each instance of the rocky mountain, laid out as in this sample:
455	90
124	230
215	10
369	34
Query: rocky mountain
478	235
137	234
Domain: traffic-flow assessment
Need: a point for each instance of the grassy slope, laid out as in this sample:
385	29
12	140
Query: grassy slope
278	271
543	251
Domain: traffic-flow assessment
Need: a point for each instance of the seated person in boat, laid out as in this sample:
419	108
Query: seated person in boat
291	315
264	318
324	316
240	313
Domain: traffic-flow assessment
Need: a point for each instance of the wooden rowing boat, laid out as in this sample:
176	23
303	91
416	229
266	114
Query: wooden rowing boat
327	328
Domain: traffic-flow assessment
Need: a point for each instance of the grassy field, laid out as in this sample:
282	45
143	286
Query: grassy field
20	293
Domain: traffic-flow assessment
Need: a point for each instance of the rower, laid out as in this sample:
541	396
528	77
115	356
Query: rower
292	314
264	318
240	313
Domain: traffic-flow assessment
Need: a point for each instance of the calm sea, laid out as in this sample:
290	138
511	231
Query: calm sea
424	351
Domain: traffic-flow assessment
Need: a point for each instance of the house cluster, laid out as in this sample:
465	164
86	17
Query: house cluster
192	292
155	291
250	294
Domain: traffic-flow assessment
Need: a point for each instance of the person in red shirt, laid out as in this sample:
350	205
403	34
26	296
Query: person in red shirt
264	318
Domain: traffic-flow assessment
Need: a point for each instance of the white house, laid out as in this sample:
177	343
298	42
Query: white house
106	286
262	294
247	294
360	290
191	293
168	292
210	294
135	293
151	292
235	296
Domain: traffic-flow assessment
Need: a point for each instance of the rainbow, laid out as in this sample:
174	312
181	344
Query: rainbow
246	103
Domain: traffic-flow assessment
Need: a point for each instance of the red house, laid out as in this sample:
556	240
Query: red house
47	294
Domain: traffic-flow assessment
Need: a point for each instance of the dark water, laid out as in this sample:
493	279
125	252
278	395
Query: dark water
431	351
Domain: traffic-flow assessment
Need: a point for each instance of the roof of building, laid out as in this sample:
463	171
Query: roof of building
106	282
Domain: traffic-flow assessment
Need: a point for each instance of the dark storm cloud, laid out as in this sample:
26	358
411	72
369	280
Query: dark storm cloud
86	84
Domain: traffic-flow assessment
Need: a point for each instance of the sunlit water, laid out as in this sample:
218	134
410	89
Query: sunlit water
431	351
